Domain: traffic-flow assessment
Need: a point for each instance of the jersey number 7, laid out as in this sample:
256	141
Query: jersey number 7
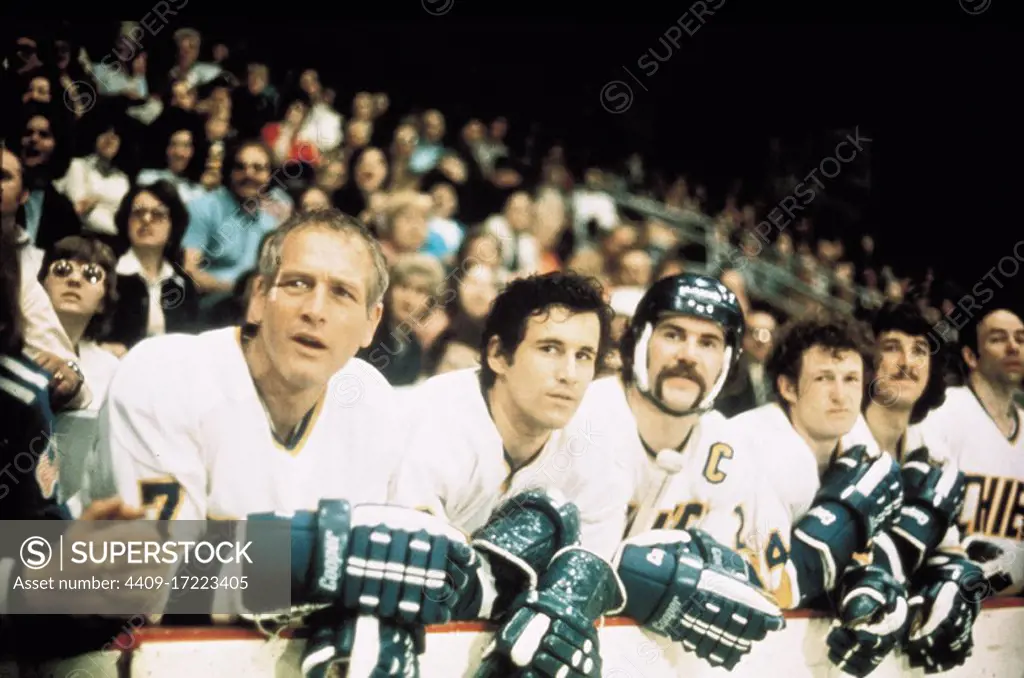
163	494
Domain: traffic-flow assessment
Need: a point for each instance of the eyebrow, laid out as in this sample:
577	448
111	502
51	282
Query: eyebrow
558	342
683	330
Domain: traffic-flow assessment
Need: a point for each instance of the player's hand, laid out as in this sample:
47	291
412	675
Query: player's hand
519	541
551	630
385	647
404	565
994	562
946	602
687	586
871	488
545	637
933	494
872	617
386	561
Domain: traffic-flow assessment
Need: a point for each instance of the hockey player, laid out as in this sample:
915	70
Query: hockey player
486	451
909	383
979	426
822	501
280	418
684	479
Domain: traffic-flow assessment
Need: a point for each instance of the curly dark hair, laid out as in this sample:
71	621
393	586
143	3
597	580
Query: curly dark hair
908	318
536	295
167	194
831	331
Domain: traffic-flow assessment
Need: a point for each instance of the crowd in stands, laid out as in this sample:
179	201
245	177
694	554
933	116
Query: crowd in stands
146	196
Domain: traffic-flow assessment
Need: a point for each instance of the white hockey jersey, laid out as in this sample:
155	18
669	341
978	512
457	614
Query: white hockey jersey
455	466
710	489
915	437
186	435
994	469
789	480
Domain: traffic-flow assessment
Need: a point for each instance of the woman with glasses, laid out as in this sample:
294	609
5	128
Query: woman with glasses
155	295
78	275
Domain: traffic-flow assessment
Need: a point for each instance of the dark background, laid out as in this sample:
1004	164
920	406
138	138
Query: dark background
935	88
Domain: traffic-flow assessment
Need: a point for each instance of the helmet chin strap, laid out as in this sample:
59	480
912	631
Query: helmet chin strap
643	379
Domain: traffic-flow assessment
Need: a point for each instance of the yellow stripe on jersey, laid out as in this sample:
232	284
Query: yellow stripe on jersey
301	435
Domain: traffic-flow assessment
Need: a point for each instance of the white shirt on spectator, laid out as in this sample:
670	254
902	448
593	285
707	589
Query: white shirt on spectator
198	75
85	180
129	264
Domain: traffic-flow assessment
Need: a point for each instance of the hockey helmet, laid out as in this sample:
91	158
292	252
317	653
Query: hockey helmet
699	296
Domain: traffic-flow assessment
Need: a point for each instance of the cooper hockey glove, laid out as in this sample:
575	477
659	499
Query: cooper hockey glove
933	494
385	561
687	586
946	601
871	620
551	629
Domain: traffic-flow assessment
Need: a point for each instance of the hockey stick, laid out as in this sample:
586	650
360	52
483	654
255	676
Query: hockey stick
670	462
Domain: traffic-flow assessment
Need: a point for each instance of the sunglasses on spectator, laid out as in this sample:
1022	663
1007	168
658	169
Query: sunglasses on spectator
761	335
156	214
63	268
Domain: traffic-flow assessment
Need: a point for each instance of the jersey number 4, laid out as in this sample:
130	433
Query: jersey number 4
163	494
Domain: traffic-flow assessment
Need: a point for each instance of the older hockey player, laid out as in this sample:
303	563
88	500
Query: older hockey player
279	421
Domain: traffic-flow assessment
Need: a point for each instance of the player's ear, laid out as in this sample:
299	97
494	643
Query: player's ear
496	358
970	359
787	388
257	300
374	315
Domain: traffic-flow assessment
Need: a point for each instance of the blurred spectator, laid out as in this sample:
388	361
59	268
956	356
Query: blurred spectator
180	167
445	233
227	225
155	295
749	385
44	339
44	150
369	172
78	275
96	183
187	67
314	198
430	147
257	104
403	228
294	138
122	71
395	349
514	228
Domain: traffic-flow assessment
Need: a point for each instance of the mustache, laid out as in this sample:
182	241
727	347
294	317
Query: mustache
684	370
